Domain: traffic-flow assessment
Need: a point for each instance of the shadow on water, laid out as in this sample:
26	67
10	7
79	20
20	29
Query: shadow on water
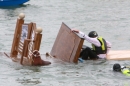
12	11
14	7
18	6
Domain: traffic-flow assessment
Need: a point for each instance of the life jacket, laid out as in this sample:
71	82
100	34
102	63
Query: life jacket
102	49
126	71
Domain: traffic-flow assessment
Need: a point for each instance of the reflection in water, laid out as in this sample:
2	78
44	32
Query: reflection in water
12	11
14	7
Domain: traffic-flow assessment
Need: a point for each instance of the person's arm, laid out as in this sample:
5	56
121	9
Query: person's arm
87	38
91	40
74	30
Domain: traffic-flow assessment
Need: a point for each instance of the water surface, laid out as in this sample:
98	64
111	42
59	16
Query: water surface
111	19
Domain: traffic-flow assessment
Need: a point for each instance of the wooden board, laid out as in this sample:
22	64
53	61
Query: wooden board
118	55
67	45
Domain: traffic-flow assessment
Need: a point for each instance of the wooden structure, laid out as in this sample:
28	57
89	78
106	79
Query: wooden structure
118	55
67	45
25	40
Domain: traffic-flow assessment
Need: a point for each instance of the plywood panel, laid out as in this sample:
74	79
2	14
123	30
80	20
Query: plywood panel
67	45
119	55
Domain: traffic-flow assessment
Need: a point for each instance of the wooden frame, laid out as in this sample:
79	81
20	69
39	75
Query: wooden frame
24	34
16	37
36	39
67	45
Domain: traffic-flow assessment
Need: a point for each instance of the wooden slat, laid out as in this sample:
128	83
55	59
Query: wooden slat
19	51
21	43
37	40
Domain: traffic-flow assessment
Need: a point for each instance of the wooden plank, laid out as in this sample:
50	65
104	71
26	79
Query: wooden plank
16	38
20	44
118	55
77	49
37	41
67	45
20	50
24	51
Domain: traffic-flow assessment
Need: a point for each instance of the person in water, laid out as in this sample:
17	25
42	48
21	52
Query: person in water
100	46
37	61
123	69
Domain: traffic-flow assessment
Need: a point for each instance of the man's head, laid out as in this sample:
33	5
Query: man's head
93	34
117	67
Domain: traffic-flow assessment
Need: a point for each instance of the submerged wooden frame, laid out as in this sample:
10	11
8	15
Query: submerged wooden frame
20	46
67	45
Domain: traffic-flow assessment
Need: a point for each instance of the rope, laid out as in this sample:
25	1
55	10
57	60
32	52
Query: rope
30	49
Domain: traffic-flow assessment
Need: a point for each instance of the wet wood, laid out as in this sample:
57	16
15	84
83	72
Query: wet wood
67	45
24	34
16	37
118	55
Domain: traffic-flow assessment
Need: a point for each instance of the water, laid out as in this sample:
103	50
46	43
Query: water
110	18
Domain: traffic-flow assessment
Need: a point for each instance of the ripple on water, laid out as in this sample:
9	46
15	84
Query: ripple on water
110	18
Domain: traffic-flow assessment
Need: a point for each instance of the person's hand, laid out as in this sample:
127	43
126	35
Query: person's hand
73	30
